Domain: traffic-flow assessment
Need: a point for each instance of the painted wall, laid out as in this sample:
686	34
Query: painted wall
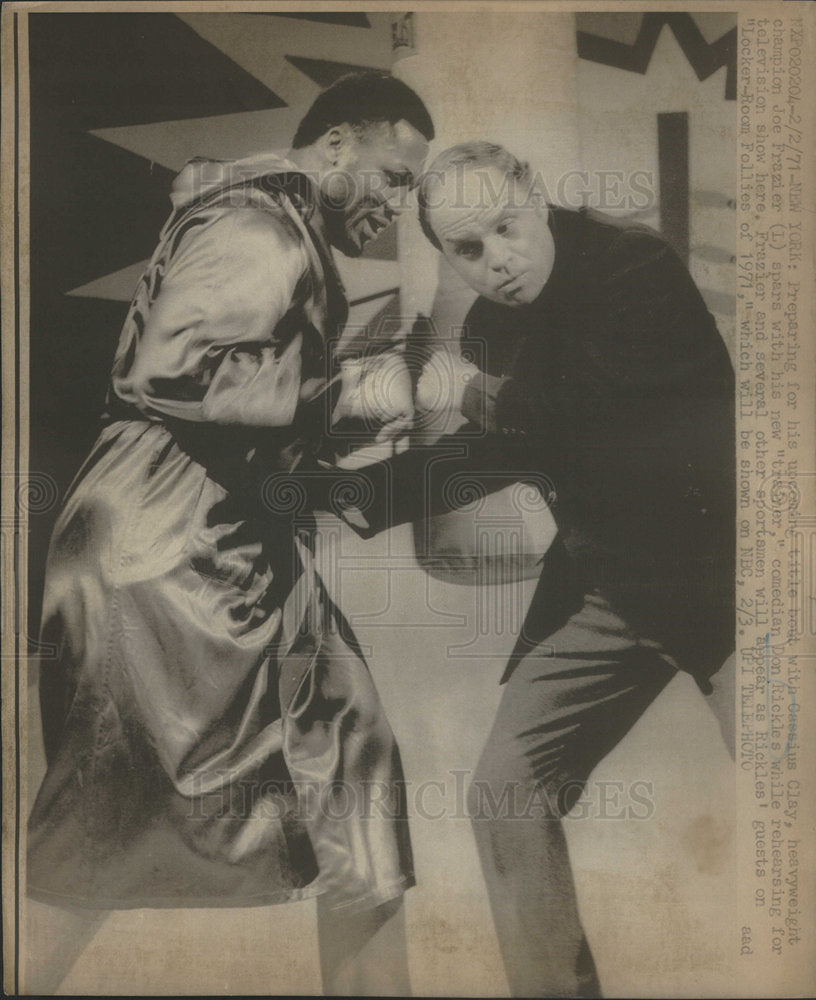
511	80
579	97
652	66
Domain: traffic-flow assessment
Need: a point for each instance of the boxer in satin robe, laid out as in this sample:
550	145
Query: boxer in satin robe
209	714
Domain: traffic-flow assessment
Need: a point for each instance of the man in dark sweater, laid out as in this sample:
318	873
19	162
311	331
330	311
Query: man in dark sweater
603	367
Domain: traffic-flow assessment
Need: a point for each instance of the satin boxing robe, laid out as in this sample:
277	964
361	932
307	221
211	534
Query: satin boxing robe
212	732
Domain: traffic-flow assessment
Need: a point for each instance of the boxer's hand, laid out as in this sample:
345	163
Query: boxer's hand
377	392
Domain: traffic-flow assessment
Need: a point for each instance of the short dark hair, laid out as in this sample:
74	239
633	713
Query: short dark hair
465	155
361	99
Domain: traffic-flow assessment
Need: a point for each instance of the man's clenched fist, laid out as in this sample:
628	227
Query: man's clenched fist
377	391
441	387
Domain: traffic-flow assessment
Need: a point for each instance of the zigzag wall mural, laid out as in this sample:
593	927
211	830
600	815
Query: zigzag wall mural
628	41
658	90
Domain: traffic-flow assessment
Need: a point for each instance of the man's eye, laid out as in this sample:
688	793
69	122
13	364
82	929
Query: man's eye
469	250
505	227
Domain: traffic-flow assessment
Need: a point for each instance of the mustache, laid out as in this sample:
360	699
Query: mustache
509	281
378	214
350	232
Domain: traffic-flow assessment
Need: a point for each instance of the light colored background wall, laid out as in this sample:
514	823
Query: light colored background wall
618	131
519	82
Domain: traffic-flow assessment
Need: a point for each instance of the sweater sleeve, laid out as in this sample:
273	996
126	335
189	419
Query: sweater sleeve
209	351
653	329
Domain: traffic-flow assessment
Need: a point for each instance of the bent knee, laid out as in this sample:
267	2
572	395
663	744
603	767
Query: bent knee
509	789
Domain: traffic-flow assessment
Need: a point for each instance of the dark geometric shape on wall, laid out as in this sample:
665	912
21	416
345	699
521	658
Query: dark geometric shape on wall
350	20
104	70
704	58
673	168
322	71
102	212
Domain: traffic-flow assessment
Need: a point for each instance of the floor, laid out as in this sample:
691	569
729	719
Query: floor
656	894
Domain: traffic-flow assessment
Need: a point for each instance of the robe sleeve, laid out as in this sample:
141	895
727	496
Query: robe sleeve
209	351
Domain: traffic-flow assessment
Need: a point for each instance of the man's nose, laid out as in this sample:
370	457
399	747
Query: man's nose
497	254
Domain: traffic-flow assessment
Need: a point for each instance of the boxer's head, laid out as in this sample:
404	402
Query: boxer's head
364	141
478	206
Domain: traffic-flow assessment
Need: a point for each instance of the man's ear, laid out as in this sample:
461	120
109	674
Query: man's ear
539	199
335	141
